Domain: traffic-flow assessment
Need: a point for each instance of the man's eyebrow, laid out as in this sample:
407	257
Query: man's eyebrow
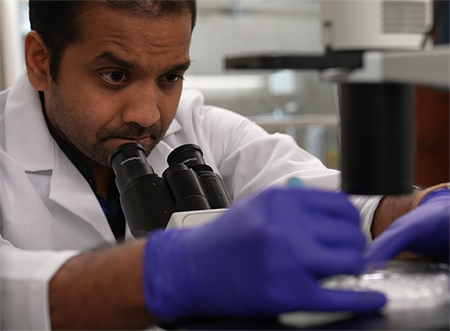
110	57
182	67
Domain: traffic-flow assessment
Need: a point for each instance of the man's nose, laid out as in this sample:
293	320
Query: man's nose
143	107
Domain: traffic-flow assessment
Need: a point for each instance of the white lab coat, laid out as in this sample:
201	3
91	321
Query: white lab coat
48	212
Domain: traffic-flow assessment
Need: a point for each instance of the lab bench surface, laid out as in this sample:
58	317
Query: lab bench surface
436	318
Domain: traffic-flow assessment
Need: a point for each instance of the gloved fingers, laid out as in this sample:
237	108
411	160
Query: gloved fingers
397	237
431	238
360	302
335	233
326	262
387	245
297	205
288	213
441	195
333	205
424	230
163	263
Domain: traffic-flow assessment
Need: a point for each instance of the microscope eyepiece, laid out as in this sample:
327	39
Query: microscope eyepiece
189	154
148	200
129	163
192	156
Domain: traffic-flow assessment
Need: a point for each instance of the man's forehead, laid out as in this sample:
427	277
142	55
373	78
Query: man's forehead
102	22
94	11
149	9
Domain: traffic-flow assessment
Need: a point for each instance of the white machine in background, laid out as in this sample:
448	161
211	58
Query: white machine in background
375	50
393	36
375	24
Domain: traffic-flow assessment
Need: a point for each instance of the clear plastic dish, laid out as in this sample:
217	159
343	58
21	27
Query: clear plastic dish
406	284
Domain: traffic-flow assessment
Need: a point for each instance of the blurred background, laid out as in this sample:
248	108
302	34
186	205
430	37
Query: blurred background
288	101
292	102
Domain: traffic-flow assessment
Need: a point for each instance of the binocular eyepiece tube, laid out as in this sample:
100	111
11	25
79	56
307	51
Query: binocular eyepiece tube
145	199
148	200
192	156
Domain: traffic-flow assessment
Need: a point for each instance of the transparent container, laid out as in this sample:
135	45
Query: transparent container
406	284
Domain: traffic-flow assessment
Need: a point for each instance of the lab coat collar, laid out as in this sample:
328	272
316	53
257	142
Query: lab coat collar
29	142
27	138
71	190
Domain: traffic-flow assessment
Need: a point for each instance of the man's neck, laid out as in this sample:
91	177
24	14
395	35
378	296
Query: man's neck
102	175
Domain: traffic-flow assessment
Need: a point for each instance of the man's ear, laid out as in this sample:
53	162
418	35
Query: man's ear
37	60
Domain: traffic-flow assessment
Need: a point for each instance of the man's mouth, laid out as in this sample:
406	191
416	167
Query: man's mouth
148	135
133	138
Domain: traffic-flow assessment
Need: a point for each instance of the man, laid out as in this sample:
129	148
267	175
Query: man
100	74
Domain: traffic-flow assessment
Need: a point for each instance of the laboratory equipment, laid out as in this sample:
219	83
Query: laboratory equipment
374	50
149	201
406	284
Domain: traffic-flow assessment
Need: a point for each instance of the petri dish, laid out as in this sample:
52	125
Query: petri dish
406	284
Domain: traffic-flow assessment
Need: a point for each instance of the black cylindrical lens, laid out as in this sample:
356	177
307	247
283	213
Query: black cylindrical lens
145	199
189	154
213	186
186	189
192	156
377	138
129	163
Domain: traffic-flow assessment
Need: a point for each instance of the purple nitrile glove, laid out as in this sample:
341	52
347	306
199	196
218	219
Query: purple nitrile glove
424	231
264	256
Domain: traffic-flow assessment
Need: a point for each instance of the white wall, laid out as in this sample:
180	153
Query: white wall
230	28
240	27
10	42
252	26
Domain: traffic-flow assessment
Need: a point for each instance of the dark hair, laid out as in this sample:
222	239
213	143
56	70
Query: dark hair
56	21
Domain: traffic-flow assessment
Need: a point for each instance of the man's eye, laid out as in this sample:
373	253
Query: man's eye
173	78
114	77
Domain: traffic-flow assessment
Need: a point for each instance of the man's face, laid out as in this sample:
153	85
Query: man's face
121	83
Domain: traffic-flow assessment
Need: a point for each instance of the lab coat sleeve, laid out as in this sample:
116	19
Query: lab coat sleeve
366	206
24	279
247	157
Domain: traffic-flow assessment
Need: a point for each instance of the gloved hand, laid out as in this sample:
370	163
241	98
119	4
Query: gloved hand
263	256
424	231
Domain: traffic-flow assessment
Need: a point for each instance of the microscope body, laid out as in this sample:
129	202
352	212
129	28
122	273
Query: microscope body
188	193
376	109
